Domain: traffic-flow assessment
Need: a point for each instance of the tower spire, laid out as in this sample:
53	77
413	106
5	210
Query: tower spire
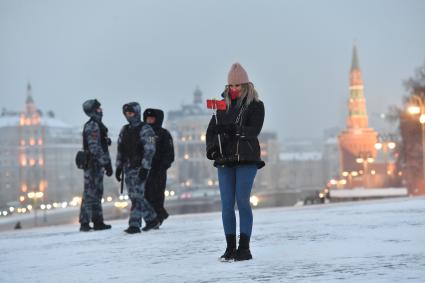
355	60
29	94
29	102
357	140
357	116
197	96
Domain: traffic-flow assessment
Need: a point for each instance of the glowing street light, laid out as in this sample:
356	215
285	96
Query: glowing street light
254	200
34	196
378	146
417	107
414	110
391	145
365	159
385	146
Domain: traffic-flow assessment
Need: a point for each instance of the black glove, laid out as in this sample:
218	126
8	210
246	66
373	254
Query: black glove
212	154
108	169
229	129
118	173
143	174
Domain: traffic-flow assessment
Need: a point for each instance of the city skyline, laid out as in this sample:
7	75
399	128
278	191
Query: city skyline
297	54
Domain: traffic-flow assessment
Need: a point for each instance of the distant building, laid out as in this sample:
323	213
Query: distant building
267	177
37	153
188	127
330	158
357	141
366	158
36	156
308	164
302	171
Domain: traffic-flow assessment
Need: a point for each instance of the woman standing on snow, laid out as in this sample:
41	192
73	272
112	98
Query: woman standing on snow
232	142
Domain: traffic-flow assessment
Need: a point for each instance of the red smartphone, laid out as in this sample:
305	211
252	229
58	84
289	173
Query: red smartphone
216	104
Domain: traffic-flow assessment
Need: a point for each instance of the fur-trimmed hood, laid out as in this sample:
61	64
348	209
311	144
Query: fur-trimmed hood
157	113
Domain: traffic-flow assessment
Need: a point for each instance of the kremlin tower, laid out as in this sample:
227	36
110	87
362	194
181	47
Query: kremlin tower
357	141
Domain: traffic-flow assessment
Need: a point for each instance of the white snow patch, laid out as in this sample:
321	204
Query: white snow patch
374	241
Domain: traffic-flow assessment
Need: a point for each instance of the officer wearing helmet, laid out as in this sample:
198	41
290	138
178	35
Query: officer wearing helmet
136	148
96	142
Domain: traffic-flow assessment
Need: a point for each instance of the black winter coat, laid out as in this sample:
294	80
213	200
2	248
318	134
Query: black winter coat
241	145
164	154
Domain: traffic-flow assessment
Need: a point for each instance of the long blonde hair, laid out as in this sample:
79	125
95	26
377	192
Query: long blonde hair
248	91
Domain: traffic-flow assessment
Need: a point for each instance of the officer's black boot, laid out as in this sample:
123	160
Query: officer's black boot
243	252
132	230
151	225
230	252
164	215
101	226
85	227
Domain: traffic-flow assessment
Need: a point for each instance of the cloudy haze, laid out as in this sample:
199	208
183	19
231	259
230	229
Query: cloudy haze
297	53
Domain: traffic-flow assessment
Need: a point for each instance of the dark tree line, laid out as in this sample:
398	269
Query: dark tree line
411	153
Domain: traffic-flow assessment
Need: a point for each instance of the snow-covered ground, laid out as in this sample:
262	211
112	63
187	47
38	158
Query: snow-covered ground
375	241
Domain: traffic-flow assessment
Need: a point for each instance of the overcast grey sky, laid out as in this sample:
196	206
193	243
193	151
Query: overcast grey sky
297	53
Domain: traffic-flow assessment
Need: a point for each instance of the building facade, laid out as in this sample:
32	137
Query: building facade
36	156
357	141
37	153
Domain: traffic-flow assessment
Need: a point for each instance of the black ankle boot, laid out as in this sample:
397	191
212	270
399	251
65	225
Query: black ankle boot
230	252
163	216
243	252
132	230
101	226
85	227
151	225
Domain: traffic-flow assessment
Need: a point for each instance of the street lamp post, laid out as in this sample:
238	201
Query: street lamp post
418	108
365	159
349	177
35	196
385	146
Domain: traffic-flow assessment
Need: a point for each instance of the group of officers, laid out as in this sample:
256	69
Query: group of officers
145	152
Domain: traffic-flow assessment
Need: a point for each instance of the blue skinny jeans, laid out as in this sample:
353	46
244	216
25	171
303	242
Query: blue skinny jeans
236	185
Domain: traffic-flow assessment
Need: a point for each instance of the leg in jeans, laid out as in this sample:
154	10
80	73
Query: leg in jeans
245	175
227	182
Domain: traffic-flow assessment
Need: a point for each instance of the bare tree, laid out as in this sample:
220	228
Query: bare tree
411	153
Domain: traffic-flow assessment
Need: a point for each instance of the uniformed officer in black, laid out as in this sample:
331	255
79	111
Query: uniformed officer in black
162	160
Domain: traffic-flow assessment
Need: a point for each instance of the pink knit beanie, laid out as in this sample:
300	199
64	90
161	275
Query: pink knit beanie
237	75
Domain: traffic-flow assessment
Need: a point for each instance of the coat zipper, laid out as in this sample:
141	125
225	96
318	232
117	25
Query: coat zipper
250	146
237	149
